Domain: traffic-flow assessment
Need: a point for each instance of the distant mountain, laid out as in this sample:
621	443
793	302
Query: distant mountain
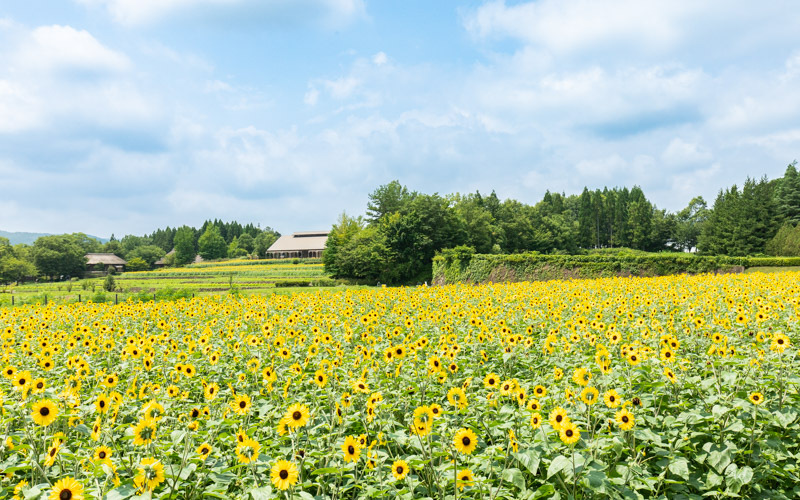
29	238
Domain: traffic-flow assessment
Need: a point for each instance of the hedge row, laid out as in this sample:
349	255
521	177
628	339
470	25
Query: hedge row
461	265
314	282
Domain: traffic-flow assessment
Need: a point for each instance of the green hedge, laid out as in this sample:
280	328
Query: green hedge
315	282
460	265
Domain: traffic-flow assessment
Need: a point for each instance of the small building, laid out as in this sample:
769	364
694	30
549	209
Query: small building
302	245
104	262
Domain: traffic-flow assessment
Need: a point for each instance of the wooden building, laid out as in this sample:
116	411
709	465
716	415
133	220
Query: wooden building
104	262
302	245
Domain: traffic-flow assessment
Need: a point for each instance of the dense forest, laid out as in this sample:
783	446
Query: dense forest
402	230
63	255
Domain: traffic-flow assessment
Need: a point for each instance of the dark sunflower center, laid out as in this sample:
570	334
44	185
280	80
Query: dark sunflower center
242	404
569	433
65	494
466	440
351	450
102	455
297	415
625	419
283	474
45	411
559	418
400	469
102	403
40	385
22	381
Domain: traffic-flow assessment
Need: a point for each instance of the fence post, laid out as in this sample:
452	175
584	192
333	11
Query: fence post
45	299
12	300
116	298
79	298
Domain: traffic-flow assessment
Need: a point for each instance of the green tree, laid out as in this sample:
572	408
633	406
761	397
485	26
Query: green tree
788	195
212	245
12	263
148	253
263	241
137	264
184	245
365	256
387	199
234	250
689	224
113	246
59	255
246	242
340	235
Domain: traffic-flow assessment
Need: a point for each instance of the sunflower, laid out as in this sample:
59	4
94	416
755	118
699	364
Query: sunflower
756	398
22	380
204	450
297	416
569	433
150	474
625	419
536	420
558	417
52	453
582	376
101	404
351	449
241	404
457	397
399	469
611	398
436	410
465	441
589	395
67	489
670	374
103	453
464	478
144	432
44	412
210	391
248	450
284	474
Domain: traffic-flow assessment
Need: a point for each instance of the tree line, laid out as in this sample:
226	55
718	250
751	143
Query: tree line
395	241
63	255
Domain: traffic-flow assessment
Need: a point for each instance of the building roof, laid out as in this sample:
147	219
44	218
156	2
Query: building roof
162	261
305	240
108	259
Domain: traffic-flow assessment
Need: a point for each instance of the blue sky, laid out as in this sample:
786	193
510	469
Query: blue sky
122	116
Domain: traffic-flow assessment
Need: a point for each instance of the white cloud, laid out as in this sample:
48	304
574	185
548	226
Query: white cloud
311	96
63	48
680	153
574	25
380	58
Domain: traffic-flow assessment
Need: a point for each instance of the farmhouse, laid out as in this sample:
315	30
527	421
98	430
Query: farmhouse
104	262
299	245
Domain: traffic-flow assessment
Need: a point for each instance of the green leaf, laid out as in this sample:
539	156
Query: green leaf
745	475
544	491
124	491
530	460
306	495
32	492
597	481
557	465
719	459
514	476
680	467
325	470
263	493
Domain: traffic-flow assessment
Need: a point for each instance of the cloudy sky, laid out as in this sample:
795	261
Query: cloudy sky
122	116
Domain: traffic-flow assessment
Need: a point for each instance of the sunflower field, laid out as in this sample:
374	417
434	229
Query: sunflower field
671	387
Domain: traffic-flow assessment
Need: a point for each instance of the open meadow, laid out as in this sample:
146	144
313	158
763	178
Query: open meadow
242	276
670	387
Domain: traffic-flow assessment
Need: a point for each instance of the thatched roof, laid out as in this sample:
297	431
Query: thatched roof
106	259
161	261
306	240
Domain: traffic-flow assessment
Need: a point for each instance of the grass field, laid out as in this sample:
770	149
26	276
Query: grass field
244	276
